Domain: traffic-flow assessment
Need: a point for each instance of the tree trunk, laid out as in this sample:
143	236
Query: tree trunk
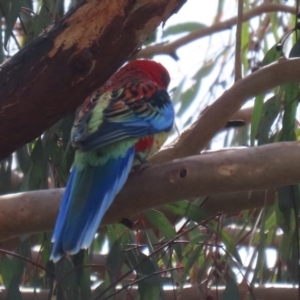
52	75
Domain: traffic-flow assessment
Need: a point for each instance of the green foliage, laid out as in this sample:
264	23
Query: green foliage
187	209
269	113
231	291
183	28
271	56
183	242
11	11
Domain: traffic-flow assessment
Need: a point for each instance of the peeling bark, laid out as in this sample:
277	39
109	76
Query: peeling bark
51	76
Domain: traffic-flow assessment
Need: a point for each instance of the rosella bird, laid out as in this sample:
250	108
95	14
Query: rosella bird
119	125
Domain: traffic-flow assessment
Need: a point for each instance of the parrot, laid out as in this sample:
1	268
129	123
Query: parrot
119	126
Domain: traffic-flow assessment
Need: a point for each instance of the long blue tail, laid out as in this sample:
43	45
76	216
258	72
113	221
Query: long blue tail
88	195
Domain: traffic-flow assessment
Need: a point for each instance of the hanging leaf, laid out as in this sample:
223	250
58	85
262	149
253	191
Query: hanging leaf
38	169
188	97
199	238
114	259
149	283
6	270
290	94
67	285
188	210
191	260
5	175
182	28
271	56
231	291
39	22
176	97
288	196
289	254
45	242
245	45
261	263
59	150
100	292
164	226
151	39
161	223
269	113
23	158
13	291
295	51
288	201
83	274
13	10
17	268
205	263
227	240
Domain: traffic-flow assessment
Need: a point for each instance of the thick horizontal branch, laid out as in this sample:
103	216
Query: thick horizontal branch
171	48
69	60
248	169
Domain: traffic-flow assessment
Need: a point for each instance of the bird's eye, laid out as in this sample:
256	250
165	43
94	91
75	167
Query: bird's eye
165	79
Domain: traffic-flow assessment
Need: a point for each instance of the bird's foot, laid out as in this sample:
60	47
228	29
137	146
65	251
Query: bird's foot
142	164
141	167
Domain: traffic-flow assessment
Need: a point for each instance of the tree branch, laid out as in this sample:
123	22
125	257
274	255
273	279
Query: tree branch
21	210
69	60
171	48
263	167
238	42
214	118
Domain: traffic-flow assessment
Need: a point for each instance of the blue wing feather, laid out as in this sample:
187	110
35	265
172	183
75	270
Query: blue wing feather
147	116
88	195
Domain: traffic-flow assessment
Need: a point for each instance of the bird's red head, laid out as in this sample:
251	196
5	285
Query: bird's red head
152	70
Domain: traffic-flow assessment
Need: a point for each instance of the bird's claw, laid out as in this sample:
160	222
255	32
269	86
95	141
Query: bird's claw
141	167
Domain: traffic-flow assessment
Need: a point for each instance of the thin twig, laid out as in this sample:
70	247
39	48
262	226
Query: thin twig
171	48
238	43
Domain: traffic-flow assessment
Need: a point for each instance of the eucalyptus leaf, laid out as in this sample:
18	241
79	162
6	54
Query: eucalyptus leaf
115	260
191	260
188	210
272	55
182	28
7	271
67	284
270	111
231	291
11	18
227	240
161	223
